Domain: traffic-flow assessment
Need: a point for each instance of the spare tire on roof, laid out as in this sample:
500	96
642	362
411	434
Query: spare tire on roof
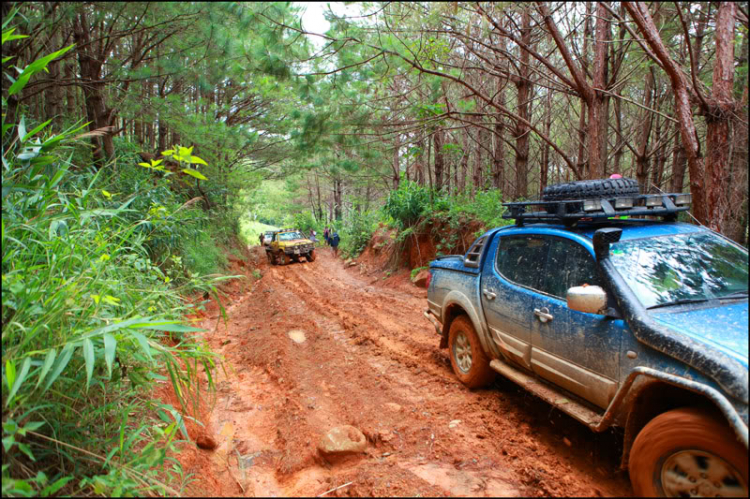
591	189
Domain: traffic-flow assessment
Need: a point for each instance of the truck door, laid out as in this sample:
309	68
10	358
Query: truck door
512	271
577	351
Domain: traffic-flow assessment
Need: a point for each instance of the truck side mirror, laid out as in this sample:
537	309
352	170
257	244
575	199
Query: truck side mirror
587	299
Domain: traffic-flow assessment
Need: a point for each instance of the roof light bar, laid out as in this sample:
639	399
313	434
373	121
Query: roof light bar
683	199
592	205
624	202
653	201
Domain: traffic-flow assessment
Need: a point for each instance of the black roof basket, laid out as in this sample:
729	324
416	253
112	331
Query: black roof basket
570	211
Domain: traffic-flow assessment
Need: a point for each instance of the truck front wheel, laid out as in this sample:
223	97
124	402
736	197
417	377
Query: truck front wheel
469	362
283	258
688	452
311	256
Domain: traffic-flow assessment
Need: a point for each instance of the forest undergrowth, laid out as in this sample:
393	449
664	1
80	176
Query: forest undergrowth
96	268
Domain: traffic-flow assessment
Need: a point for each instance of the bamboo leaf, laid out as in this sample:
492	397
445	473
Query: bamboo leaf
47	364
194	173
10	373
19	379
88	355
110	343
8	36
62	361
33	68
51	489
143	342
174	328
35	130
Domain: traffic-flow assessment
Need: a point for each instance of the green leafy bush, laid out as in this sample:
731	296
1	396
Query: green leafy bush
356	233
89	322
407	204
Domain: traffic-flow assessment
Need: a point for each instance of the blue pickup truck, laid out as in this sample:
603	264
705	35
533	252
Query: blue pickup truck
605	306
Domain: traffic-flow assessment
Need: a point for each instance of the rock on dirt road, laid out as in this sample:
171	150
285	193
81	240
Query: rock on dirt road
315	346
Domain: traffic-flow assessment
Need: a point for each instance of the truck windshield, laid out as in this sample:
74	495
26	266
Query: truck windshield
289	236
682	268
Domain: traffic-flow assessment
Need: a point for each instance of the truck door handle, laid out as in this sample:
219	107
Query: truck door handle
543	314
489	294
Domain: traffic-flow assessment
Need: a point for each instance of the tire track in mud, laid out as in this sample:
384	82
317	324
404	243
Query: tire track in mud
367	327
368	361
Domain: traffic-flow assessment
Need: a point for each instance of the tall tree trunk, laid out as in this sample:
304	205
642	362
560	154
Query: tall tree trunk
476	177
70	91
419	163
524	89
719	119
338	195
396	165
642	157
640	14
439	159
54	94
498	149
544	167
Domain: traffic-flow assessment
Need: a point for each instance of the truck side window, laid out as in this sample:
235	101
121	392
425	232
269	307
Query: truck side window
568	264
520	259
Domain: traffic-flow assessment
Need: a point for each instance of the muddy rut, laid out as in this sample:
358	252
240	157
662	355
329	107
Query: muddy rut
316	345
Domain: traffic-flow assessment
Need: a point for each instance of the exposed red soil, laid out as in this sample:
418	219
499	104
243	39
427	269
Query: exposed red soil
371	360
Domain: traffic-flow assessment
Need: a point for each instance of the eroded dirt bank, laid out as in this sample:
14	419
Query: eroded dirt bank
317	345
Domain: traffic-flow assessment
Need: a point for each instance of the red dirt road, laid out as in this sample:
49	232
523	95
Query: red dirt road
316	345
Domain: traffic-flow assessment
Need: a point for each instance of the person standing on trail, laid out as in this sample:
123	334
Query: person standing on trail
335	243
262	236
312	236
326	236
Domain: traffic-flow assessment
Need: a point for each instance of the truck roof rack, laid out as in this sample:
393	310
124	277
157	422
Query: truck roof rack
570	211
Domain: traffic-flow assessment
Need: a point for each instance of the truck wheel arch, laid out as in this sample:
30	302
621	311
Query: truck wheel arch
654	398
457	304
451	312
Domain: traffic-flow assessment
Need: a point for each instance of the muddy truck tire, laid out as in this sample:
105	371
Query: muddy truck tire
469	362
310	256
688	452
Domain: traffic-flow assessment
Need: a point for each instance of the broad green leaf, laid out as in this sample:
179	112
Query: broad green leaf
143	342
106	194
43	160
10	373
197	160
168	152
194	173
109	351
26	450
35	131
22	128
8	36
62	362
88	355
19	379
145	165
52	489
34	68
47	364
6	59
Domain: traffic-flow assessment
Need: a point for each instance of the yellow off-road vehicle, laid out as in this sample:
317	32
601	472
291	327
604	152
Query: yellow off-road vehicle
289	244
